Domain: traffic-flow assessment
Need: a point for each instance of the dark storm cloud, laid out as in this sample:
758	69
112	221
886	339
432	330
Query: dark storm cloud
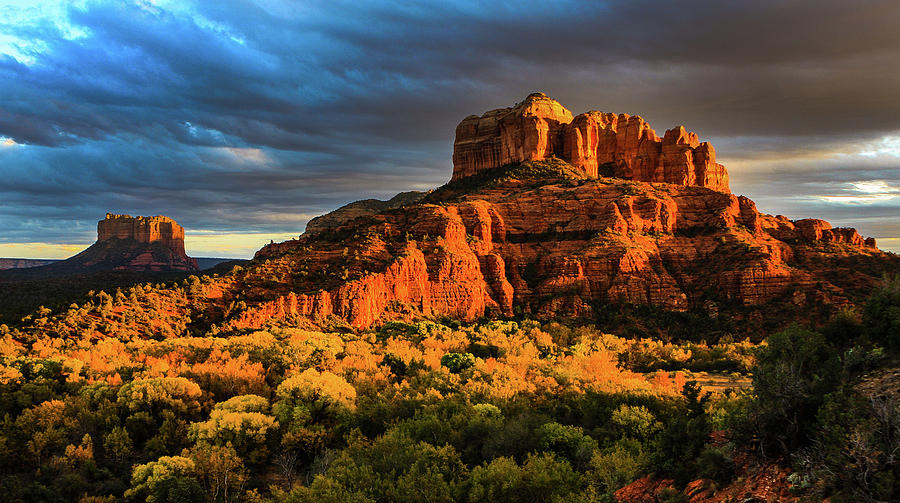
250	116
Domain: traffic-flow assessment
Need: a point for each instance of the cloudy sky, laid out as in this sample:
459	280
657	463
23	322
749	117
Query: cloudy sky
243	119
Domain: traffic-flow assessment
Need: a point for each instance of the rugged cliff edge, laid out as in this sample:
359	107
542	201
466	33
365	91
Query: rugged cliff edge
357	209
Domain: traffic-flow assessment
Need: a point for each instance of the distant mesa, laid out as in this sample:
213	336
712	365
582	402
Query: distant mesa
148	230
124	243
596	143
23	263
137	244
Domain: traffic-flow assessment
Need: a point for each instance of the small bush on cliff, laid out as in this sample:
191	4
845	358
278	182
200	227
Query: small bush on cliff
545	171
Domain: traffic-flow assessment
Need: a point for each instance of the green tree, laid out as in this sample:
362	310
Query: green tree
853	452
680	443
394	468
118	445
177	490
793	373
242	422
569	442
220	471
635	421
881	314
154	394
542	478
457	362
310	405
616	466
146	478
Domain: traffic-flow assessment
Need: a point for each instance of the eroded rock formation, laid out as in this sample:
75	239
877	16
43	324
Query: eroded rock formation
528	131
358	209
629	219
623	146
559	249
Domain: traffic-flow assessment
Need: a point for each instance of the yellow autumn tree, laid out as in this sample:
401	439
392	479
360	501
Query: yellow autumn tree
157	393
310	404
242	422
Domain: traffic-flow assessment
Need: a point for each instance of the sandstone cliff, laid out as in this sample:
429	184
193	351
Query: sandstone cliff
158	229
596	143
561	247
559	216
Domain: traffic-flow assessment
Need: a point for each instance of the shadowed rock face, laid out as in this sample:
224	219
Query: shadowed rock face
359	209
596	143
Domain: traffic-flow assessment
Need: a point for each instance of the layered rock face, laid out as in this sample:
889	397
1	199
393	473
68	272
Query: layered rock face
596	143
560	248
528	131
158	229
136	244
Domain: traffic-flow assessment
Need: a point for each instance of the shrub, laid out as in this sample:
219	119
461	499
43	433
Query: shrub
616	466
793	374
457	362
636	422
569	442
715	463
881	314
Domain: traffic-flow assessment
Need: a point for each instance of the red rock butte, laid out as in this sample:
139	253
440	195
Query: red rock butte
142	229
596	143
136	244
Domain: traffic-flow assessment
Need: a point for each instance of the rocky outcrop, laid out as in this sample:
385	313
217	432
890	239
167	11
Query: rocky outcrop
755	480
134	244
358	209
631	220
596	143
528	131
